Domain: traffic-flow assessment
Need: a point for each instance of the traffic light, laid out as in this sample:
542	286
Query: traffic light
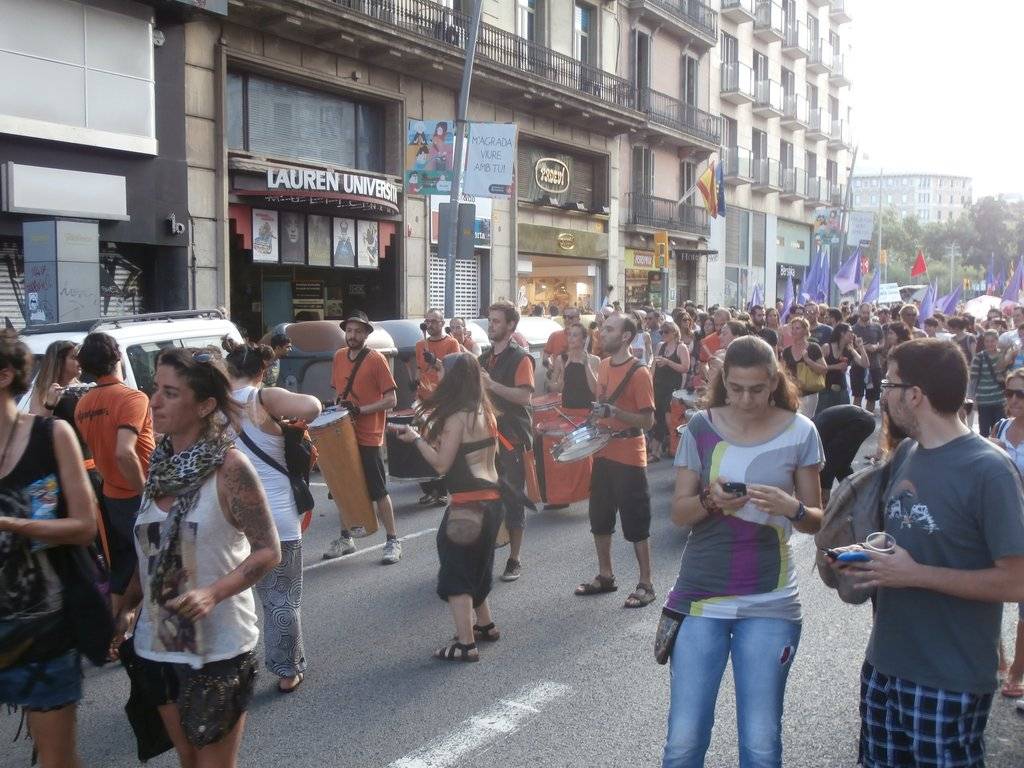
883	257
661	249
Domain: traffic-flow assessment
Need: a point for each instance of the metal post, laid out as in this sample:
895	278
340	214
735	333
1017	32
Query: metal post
460	131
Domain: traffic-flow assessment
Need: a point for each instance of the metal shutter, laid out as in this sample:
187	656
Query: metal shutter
758	224
733	237
467	285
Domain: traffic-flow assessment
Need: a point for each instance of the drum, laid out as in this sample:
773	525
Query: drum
546	402
405	462
582	442
335	439
545	411
563	483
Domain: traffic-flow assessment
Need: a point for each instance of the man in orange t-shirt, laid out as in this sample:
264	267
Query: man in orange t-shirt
618	481
116	424
430	352
367	391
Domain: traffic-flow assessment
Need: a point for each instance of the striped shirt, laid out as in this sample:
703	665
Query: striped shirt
987	386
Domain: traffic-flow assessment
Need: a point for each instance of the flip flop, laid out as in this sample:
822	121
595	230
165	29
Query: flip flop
1012	689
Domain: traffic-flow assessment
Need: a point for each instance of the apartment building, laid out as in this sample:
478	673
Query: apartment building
779	79
928	196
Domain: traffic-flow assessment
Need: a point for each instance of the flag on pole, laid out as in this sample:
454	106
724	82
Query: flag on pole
1011	295
871	294
720	183
707	184
919	267
990	277
846	277
809	287
824	273
947	304
927	306
803	285
756	297
787	299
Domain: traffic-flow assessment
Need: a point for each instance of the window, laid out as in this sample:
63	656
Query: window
923	198
687	176
903	198
812	96
888	199
759	144
832	171
788	82
588	175
938	215
691	80
730	132
528	20
833	43
833	108
874	199
922	214
811	163
730	49
812	29
642	65
78	73
760	66
271	117
785	154
142	359
584	35
643	170
856	199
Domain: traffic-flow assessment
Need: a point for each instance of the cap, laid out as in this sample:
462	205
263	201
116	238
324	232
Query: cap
357	317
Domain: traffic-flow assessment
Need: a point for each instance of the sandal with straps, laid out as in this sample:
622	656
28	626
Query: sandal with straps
487	633
457	652
641	596
603	585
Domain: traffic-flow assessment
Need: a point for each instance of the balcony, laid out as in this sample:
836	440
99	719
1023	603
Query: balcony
816	3
683	121
836	193
768	98
768	21
737	83
795	44
766	175
816	192
794	112
428	40
819	125
738	11
839	136
839	11
819	61
649	213
691	17
738	166
794	184
837	75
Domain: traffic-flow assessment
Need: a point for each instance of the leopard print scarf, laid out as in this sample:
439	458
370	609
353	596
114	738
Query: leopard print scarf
180	475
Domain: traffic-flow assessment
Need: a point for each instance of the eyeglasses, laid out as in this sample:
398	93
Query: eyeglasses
886	384
1018	393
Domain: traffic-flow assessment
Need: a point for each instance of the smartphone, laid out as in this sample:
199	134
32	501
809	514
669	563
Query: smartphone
736	489
853	556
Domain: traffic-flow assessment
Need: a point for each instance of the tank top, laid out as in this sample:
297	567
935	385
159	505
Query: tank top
575	392
276	485
211	548
834	378
462	484
668	379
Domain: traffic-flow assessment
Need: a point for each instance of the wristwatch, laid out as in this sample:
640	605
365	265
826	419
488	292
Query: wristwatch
801	513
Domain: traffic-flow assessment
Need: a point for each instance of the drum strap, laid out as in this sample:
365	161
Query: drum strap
622	384
355	369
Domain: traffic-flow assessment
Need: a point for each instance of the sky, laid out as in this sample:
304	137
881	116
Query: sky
938	87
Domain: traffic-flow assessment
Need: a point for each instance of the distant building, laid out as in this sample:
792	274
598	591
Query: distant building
1011	197
930	197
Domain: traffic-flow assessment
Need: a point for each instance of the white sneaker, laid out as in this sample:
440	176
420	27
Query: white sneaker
343	545
392	552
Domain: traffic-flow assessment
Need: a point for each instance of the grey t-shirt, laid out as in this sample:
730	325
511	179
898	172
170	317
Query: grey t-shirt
870	334
959	506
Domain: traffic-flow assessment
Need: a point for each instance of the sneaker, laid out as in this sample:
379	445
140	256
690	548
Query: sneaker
343	545
392	552
513	570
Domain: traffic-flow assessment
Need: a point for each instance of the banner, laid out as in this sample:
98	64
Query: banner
429	157
490	159
861	228
889	293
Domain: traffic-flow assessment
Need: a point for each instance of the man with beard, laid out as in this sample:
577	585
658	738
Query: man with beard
757	321
954	508
365	386
507	371
873	336
430	352
618	481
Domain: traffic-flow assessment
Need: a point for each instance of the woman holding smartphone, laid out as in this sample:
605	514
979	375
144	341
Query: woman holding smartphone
747	477
844	347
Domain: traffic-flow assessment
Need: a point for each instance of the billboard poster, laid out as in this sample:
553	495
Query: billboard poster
481	223
368	252
293	237
318	232
861	228
344	242
264	235
490	159
429	157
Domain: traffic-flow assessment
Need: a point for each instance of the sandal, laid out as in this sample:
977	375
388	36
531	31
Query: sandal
291	689
641	596
1012	688
599	586
448	653
485	634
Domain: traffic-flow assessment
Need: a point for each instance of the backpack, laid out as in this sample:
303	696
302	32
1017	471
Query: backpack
854	510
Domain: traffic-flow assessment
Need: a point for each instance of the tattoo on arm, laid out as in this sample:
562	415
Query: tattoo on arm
248	509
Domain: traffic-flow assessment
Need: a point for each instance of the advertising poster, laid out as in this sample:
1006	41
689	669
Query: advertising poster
481	224
293	237
861	228
368	252
344	242
490	159
429	157
264	235
319	237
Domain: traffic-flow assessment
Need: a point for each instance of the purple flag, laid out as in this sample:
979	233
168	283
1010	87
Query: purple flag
824	273
846	277
871	294
787	299
927	306
947	304
810	281
1012	293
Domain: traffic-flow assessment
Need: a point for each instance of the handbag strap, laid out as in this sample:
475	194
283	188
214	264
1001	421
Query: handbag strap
261	454
363	353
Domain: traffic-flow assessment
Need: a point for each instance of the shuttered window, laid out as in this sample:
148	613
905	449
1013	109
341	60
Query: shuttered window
467	285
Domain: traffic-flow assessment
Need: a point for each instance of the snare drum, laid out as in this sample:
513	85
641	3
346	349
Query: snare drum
584	441
564	483
405	462
342	469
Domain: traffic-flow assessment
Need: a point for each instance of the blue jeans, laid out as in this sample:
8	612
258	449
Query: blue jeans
698	660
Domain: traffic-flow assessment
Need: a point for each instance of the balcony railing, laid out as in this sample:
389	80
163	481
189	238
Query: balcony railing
766	174
738	11
692	13
817	190
839	135
768	20
819	124
795	43
794	183
820	58
737	80
662	213
839	11
739	164
794	111
768	97
671	113
447	27
836	192
837	74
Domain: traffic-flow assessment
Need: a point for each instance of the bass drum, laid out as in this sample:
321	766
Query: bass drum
335	438
405	462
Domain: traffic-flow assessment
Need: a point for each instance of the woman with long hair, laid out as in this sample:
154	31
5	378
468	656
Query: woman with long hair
46	503
843	348
204	537
58	371
460	441
803	358
747	478
671	364
261	439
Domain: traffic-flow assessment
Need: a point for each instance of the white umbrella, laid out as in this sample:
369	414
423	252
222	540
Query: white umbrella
979	306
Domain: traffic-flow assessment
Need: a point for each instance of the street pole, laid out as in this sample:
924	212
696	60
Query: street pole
460	132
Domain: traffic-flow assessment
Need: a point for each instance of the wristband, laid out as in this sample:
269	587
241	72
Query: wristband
801	513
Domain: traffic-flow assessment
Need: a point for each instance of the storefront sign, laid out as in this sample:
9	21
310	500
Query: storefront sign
368	252
639	259
58	192
490	159
335	182
786	271
541	240
567	241
307	290
429	154
551	175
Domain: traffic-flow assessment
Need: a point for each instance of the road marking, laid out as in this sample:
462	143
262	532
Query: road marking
358	552
503	718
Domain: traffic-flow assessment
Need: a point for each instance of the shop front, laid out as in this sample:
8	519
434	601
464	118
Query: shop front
643	280
563	267
792	255
311	243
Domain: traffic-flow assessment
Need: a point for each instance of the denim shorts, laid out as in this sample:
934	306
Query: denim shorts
43	685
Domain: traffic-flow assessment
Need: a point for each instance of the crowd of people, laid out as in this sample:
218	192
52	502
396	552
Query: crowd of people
188	495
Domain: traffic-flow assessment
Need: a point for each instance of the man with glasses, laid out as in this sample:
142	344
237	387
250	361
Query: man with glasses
820	332
954	507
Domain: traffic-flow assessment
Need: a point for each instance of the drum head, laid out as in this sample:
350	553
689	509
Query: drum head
581	442
687	396
329	416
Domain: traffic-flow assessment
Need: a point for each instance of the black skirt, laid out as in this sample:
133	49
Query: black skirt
465	547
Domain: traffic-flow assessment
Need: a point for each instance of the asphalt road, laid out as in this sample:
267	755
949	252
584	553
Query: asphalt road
572	682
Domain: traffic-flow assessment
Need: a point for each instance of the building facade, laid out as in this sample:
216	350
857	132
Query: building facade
928	196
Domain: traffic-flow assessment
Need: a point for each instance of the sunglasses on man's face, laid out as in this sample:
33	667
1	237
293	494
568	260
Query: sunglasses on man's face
1018	393
886	384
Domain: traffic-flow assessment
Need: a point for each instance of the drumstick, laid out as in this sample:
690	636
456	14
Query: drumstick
562	413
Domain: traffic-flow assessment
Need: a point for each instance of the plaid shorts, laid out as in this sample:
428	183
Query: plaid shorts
906	725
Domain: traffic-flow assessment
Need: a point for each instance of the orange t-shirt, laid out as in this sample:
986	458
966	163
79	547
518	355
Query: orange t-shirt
557	344
106	408
429	377
710	345
373	381
637	397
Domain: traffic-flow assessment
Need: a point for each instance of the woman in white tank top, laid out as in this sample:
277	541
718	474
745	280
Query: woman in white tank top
204	536
260	438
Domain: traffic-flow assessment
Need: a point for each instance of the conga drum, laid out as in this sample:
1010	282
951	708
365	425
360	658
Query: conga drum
564	483
405	462
335	439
